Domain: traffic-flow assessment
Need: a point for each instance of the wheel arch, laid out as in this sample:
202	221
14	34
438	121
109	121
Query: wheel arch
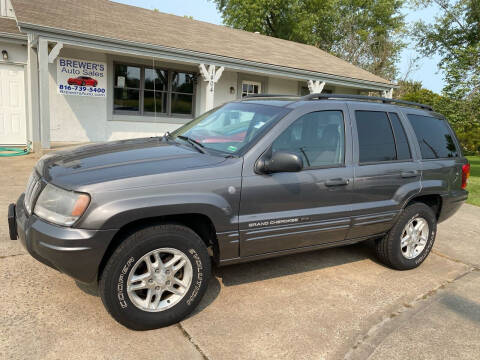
434	201
201	224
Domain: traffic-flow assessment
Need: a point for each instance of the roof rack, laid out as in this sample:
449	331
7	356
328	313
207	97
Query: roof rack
365	98
270	96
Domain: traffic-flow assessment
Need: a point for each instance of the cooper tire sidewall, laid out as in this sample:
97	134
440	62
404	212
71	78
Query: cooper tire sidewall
432	225
118	287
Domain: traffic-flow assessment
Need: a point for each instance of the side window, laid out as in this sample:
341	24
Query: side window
434	136
375	136
403	149
319	137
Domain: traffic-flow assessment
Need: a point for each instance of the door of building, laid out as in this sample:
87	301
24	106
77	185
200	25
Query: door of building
13	127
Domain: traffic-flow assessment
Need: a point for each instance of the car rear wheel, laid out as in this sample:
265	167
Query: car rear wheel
410	240
156	277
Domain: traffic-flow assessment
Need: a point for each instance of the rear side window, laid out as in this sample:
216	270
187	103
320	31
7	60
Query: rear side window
375	136
434	136
403	149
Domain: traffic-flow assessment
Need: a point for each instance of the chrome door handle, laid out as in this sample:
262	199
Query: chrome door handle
409	174
337	182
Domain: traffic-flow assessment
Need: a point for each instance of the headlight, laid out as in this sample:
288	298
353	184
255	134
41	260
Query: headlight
61	206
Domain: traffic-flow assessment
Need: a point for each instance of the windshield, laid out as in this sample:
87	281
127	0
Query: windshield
231	127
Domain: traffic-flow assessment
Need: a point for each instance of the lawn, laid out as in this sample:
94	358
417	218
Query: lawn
474	181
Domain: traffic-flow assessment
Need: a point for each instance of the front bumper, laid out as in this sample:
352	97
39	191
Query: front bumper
75	252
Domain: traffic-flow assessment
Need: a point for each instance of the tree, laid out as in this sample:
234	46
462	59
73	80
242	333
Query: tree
455	36
461	113
366	33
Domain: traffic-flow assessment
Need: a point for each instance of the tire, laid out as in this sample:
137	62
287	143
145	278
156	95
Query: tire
389	249
83	83
128	306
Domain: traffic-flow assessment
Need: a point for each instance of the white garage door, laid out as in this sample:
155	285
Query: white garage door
13	129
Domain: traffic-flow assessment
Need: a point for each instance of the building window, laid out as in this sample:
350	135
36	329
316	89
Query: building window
251	88
148	91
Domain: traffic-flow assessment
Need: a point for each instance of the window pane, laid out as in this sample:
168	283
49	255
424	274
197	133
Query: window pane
434	137
126	100
154	101
375	136
156	79
127	76
182	104
403	150
232	126
317	137
182	82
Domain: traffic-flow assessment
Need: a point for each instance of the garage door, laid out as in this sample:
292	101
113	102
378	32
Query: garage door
13	129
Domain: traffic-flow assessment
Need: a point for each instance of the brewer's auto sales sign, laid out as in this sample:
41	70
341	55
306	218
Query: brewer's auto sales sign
81	77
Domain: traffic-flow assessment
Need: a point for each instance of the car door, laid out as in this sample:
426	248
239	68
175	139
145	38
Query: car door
387	170
289	210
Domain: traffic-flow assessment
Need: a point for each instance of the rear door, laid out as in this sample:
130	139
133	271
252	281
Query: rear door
387	170
284	211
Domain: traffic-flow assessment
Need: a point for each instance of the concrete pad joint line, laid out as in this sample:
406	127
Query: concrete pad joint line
366	344
453	259
189	337
13	255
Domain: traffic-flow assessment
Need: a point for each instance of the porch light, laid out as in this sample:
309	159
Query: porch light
5	55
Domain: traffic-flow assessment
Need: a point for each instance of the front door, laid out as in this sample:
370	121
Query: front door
13	130
283	211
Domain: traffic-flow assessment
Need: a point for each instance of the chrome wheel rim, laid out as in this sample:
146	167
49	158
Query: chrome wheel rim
159	279
414	237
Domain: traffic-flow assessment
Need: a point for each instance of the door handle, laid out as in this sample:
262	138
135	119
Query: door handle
409	174
337	182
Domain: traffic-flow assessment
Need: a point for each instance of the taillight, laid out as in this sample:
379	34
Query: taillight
465	175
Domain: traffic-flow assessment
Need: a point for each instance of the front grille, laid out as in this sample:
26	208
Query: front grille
32	191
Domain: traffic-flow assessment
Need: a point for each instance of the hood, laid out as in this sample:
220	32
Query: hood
98	163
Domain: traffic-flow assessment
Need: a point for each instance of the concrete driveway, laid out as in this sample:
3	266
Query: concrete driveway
330	304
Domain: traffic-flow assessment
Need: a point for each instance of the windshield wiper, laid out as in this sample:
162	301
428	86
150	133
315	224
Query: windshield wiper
197	145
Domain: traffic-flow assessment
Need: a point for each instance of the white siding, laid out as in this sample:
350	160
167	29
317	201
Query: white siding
16	52
222	88
87	119
282	86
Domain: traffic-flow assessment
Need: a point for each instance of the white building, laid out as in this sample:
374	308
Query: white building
96	70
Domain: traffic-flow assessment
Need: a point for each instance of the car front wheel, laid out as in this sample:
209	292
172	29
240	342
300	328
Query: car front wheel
156	277
410	240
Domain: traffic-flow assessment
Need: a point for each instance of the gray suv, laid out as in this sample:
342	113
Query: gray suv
252	179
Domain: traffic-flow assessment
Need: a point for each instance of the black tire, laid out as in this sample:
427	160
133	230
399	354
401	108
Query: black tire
388	248
83	83
113	280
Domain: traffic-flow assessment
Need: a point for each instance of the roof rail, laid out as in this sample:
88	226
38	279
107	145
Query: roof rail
270	96
365	98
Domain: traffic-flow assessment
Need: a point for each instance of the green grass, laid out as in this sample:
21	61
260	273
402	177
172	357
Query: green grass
474	181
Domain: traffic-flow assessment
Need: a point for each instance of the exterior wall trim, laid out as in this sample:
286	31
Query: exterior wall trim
140	49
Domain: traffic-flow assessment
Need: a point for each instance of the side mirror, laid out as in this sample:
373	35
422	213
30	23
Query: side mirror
280	161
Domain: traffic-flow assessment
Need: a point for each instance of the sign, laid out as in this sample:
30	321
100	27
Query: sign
81	77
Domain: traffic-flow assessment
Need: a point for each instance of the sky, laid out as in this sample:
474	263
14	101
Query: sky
204	10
